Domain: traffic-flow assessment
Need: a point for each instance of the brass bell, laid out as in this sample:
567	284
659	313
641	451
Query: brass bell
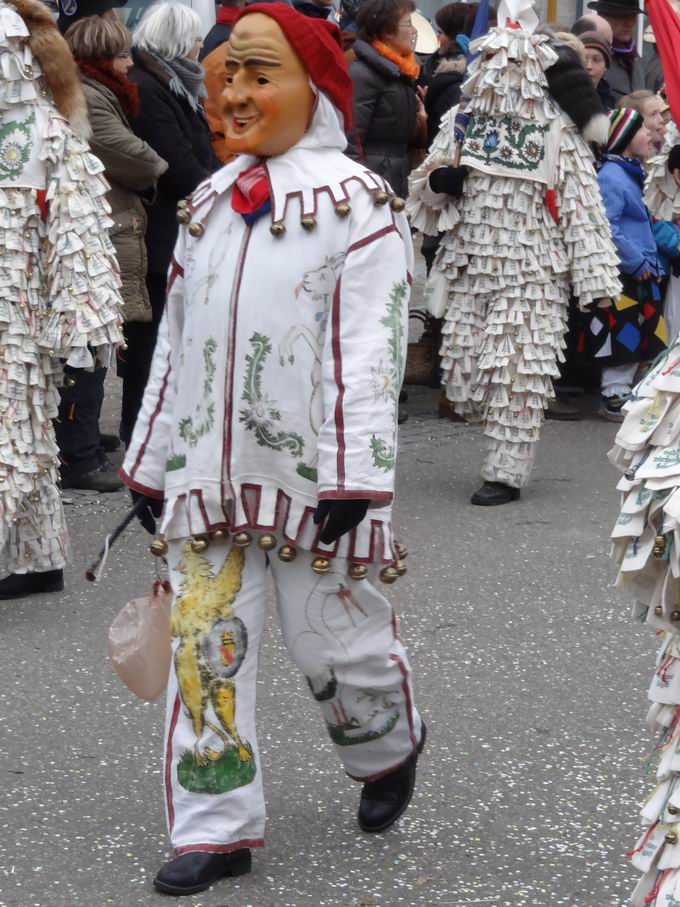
219	535
658	610
629	474
675	615
267	541
277	229
196	229
159	547
388	575
287	553
199	544
358	571
183	203
673	810
671	837
343	209
659	546
242	539
401	551
380	197
400	567
321	565
308	222
69	381
397	204
183	216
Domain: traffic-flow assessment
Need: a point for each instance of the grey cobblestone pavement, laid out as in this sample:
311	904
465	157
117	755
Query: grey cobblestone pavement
528	671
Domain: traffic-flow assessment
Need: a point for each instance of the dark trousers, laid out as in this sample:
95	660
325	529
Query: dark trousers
77	427
134	363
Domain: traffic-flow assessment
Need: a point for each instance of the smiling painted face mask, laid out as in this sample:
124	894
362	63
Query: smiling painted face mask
267	101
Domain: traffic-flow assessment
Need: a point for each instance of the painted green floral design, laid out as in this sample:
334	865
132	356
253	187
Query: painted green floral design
386	376
16	143
507	141
193	428
261	415
667	459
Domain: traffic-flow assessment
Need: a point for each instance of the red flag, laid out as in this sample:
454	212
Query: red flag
666	25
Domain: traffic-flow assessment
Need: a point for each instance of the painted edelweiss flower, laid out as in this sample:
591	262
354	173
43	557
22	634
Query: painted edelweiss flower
14	148
382	378
260	414
532	150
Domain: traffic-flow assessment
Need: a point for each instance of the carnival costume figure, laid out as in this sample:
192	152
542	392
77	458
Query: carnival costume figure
59	300
528	229
268	429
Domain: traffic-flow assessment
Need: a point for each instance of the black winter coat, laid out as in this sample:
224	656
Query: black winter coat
444	92
384	116
180	135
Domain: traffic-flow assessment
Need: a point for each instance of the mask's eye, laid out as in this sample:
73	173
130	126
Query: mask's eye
229	80
262	80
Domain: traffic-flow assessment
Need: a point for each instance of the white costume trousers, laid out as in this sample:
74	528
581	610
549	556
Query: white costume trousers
342	635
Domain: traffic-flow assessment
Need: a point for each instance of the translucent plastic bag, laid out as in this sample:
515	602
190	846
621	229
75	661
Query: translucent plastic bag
139	643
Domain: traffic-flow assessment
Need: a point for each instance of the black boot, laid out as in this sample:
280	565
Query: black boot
385	800
197	870
493	493
18	585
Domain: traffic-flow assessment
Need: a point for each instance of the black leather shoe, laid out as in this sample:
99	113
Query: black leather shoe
385	800
18	585
493	493
197	870
109	443
102	479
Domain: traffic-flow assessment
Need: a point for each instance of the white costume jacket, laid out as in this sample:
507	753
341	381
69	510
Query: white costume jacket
276	376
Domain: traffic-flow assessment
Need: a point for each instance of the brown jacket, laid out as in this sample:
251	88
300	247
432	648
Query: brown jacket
214	85
131	167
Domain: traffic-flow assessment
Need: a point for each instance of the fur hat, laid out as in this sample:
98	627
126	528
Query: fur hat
624	123
318	44
595	41
571	88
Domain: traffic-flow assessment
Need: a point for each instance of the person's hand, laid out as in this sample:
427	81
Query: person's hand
339	517
604	304
150	510
448	180
644	276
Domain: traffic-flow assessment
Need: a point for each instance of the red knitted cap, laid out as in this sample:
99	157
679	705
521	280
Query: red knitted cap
318	45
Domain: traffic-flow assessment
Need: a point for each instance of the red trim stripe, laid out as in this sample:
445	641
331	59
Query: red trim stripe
220	848
154	416
340	495
373	237
337	374
168	764
407	697
137	486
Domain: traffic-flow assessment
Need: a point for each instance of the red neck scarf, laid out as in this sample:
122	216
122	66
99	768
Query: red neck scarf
102	71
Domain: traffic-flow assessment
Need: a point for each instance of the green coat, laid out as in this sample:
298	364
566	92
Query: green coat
132	167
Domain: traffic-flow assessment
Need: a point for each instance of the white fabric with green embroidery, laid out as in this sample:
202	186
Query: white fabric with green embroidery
646	546
279	361
505	266
58	295
662	193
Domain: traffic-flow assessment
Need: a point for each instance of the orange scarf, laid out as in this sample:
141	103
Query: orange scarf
407	63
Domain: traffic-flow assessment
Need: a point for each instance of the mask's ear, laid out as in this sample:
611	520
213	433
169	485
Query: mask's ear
571	89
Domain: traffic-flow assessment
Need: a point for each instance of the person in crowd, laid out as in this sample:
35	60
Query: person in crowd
452	43
662	197
101	47
598	59
626	73
448	64
171	120
593	22
631	331
314	9
650	106
59	288
389	116
225	15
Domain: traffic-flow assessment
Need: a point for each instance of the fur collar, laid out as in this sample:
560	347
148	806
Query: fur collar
451	65
56	63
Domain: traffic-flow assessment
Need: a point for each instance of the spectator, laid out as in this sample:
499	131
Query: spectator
624	335
598	59
593	22
447	65
171	120
227	12
101	47
650	106
389	116
626	73
314	9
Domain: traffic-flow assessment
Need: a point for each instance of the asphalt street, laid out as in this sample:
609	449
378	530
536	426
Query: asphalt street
530	675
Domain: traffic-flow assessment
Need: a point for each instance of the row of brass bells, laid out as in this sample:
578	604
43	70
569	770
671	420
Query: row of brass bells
308	222
358	571
671	837
659	548
382	198
267	542
159	547
277	229
321	565
196	229
287	553
342	209
183	215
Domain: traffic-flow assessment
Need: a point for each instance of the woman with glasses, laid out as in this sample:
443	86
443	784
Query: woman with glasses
389	116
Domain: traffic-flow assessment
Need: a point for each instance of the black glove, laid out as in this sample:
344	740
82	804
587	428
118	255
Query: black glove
150	511
449	180
674	158
340	517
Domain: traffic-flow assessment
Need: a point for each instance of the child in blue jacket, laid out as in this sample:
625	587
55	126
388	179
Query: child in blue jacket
632	330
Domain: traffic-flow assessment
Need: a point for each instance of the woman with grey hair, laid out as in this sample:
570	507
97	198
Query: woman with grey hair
165	48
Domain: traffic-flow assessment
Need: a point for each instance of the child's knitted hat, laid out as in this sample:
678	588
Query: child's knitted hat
623	125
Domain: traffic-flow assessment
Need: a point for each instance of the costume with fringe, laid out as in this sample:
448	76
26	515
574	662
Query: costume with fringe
59	300
529	226
662	197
